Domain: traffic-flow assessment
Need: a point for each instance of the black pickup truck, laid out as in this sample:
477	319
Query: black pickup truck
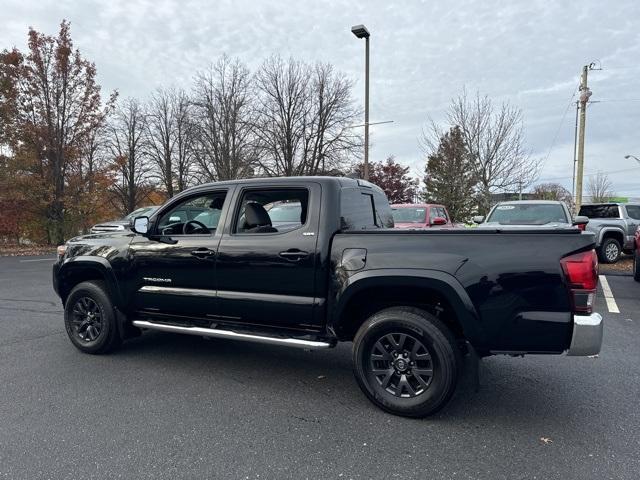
309	262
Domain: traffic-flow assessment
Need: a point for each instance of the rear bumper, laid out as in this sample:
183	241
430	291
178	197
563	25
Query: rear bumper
587	335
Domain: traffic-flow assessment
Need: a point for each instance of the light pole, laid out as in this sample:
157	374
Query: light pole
632	156
361	31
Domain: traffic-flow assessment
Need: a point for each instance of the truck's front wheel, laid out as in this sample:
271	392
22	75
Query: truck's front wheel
90	320
406	361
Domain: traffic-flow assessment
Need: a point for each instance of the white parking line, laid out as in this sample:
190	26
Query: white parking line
608	295
39	260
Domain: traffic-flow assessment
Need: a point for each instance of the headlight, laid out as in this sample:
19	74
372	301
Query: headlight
61	250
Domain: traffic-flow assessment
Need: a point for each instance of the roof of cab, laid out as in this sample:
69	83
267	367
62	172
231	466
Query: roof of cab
416	205
528	202
341	181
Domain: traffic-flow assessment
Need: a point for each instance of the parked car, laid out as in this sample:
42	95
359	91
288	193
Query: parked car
636	257
531	214
285	215
614	225
411	301
420	215
124	223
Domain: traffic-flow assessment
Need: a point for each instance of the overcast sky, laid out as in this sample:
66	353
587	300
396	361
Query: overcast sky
529	53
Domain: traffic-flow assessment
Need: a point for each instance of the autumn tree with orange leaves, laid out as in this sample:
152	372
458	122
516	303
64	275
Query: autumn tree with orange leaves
50	115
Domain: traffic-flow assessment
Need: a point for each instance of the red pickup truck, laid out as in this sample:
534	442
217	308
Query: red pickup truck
420	215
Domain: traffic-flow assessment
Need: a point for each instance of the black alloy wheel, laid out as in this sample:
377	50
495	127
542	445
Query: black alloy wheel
401	365
86	320
89	318
406	361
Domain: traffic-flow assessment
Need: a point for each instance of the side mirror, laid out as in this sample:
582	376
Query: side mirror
478	219
580	222
439	221
140	225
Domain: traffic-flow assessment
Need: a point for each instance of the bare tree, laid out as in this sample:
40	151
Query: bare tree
90	179
553	191
494	137
126	145
160	125
224	147
328	142
184	136
169	138
283	109
600	188
303	115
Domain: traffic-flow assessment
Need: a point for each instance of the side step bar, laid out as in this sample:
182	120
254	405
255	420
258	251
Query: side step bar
212	332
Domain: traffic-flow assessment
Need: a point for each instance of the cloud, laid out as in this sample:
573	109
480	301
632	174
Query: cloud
422	54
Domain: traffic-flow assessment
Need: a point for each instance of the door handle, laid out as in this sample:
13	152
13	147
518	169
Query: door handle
294	254
203	253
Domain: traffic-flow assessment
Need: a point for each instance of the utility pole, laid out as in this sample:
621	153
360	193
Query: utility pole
575	146
520	189
585	93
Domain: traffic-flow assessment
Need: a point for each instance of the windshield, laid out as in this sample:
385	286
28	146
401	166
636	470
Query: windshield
528	214
141	212
409	215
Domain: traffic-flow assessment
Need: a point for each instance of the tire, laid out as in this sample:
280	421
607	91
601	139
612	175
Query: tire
636	266
401	384
609	251
90	320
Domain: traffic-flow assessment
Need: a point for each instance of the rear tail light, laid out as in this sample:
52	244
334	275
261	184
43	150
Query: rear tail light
581	272
582	226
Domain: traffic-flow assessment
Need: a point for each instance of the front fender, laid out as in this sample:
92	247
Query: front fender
81	267
441	282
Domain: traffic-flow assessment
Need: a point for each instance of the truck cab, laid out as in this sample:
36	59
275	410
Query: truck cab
614	225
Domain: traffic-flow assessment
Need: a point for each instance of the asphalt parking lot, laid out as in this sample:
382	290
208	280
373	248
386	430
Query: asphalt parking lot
170	406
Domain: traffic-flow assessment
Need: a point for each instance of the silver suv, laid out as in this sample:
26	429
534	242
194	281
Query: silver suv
614	225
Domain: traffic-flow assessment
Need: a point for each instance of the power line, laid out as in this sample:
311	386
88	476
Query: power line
616	100
611	172
564	115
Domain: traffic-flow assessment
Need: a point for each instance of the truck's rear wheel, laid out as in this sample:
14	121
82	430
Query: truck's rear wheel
90	320
610	250
406	361
636	266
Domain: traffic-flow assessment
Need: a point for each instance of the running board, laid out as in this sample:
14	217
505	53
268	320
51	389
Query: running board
213	332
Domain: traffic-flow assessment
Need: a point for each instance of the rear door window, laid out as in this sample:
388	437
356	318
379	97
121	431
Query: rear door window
358	210
273	210
600	211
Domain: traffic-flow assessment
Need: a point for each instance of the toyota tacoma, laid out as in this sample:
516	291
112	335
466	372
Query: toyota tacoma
412	302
